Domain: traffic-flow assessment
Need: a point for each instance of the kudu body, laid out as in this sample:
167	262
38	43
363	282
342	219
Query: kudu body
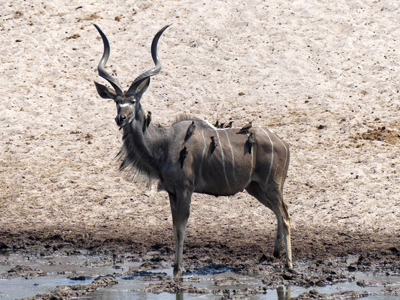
211	161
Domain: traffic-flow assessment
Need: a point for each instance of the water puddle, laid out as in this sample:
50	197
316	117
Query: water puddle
210	282
123	290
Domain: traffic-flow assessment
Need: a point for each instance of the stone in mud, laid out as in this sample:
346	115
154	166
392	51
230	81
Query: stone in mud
172	287
371	283
22	271
391	290
71	291
314	294
104	281
79	277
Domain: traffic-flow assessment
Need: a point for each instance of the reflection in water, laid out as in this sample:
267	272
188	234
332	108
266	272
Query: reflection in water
282	293
179	295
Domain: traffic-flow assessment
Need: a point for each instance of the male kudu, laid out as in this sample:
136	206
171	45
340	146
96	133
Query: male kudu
211	161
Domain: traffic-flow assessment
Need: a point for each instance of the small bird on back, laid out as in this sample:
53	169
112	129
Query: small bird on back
189	132
229	125
245	129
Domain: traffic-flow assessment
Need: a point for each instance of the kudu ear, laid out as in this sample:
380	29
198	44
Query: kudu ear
138	88
104	91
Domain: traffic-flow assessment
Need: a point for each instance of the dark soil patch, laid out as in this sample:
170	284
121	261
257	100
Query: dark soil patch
383	134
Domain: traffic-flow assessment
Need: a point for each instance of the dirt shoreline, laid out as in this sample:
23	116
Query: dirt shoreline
307	244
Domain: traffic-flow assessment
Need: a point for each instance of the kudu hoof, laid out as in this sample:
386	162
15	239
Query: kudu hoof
178	274
289	266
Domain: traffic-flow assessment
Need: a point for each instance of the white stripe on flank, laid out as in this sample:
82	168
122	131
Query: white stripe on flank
223	160
272	155
209	124
286	154
233	156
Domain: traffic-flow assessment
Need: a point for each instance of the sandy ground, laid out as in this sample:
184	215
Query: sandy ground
323	75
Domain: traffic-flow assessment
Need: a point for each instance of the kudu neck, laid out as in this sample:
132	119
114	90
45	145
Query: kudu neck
145	140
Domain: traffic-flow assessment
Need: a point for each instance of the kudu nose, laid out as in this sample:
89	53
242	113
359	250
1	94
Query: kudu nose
120	120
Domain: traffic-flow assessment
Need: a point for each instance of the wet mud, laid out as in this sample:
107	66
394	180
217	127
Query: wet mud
243	277
73	291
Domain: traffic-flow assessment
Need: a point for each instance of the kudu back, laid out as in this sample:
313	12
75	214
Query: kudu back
191	156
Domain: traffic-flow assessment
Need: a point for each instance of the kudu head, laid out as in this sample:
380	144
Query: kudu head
128	103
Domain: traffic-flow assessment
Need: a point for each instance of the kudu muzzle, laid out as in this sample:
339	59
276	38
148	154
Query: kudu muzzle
120	120
125	114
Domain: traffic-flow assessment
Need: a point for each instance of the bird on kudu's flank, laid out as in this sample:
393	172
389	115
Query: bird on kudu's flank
214	143
251	141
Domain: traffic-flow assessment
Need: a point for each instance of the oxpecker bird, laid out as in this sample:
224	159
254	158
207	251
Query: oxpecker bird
229	125
182	155
189	132
251	141
246	128
216	125
214	143
148	119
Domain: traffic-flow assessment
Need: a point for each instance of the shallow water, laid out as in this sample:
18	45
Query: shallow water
86	267
121	291
57	268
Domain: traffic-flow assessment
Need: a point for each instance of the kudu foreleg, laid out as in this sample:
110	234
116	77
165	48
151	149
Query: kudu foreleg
180	208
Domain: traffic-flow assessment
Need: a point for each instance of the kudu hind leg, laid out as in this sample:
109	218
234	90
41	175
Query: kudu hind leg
279	235
180	208
280	208
256	191
274	201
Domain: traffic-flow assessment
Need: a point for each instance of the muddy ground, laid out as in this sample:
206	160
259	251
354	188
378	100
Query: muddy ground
318	263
